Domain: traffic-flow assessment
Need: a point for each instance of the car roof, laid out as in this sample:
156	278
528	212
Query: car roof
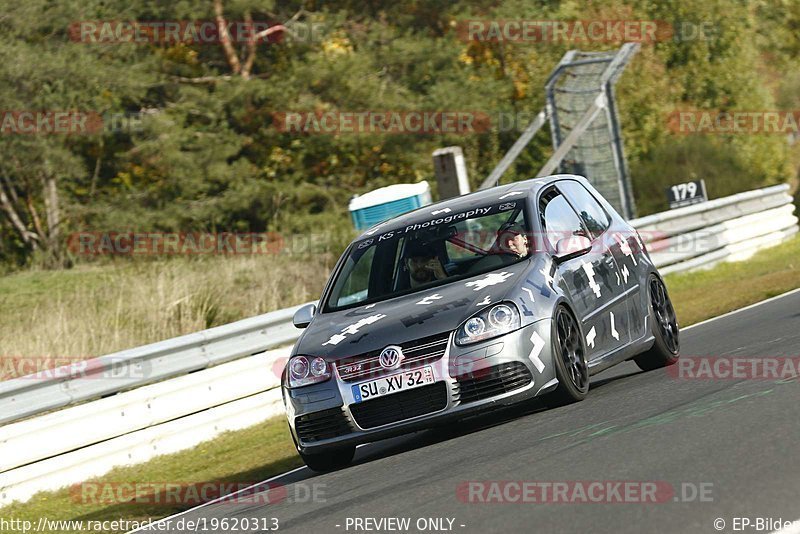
471	200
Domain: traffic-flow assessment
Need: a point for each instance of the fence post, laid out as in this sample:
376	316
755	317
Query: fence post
451	172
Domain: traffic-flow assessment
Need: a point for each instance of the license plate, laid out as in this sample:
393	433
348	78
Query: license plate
393	383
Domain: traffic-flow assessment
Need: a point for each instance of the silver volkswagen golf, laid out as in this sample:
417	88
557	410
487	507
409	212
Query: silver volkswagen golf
485	300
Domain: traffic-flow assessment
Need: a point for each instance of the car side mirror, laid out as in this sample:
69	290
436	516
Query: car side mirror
302	317
572	247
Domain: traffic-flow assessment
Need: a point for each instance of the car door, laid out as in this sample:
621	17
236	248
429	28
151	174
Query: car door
589	279
622	277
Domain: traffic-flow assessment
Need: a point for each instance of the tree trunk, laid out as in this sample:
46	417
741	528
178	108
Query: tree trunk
53	215
225	38
28	237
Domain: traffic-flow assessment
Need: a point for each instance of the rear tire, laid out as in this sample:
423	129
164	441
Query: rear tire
569	358
329	460
664	325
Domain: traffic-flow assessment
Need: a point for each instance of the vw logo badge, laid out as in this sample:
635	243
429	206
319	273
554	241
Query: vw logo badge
391	357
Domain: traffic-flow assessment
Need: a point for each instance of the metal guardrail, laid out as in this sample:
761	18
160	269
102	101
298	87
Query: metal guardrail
697	216
80	442
728	228
222	378
27	396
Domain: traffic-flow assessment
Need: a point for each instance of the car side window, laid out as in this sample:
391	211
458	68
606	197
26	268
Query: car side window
592	213
558	218
355	285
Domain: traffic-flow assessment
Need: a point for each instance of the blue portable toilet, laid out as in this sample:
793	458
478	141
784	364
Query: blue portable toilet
376	206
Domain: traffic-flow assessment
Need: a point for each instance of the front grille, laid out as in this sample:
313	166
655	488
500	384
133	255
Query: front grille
321	425
418	352
400	406
493	381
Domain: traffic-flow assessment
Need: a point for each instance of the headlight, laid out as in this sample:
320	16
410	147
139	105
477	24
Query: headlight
501	316
475	327
302	372
495	321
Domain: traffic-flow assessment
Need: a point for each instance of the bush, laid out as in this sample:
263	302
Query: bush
691	158
797	201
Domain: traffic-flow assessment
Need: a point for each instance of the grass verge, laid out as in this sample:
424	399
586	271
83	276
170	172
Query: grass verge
55	317
701	295
257	453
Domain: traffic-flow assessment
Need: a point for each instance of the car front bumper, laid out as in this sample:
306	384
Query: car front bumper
467	380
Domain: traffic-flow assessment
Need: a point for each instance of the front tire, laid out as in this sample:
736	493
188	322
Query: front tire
664	325
569	357
329	460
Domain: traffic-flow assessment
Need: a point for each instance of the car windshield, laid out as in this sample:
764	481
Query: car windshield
446	247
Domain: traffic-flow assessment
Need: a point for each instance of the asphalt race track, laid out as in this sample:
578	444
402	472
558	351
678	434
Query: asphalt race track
738	440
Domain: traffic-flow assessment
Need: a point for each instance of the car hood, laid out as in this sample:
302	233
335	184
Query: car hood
351	332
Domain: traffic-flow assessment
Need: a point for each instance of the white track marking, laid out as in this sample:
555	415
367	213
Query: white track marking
538	345
218	499
759	303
